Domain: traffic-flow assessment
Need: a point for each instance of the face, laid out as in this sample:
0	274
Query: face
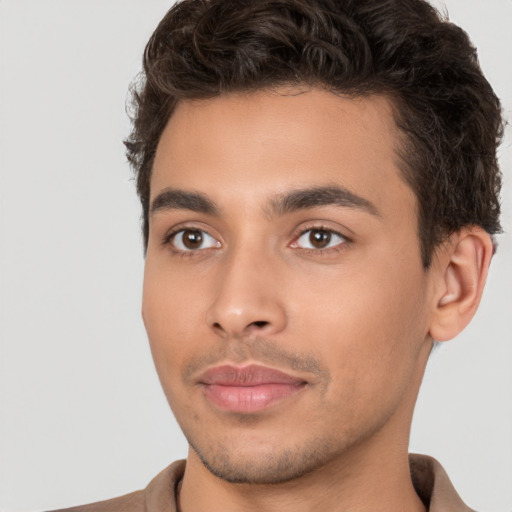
284	297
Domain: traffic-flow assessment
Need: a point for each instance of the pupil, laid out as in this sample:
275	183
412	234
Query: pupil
192	239
319	238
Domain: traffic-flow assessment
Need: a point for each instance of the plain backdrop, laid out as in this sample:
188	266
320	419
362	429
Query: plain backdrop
82	416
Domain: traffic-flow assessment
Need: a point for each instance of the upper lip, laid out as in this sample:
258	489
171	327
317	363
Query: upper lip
245	376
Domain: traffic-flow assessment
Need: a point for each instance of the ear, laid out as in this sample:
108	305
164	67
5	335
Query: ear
460	272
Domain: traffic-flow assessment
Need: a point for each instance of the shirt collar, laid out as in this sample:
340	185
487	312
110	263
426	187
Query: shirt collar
428	476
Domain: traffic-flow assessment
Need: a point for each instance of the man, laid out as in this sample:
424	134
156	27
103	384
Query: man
320	189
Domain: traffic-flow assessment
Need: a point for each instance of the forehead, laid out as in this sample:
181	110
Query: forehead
266	142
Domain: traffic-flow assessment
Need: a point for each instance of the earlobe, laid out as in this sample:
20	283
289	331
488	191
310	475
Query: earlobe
463	263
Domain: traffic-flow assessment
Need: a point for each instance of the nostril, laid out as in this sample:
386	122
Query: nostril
259	323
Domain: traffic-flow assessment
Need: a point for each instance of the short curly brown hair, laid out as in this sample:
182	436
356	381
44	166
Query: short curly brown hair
427	66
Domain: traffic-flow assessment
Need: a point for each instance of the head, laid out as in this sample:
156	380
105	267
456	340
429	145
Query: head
319	184
449	118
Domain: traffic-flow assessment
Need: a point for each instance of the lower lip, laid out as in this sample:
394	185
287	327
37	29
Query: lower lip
247	399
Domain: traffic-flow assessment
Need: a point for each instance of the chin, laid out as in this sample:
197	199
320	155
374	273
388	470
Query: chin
269	466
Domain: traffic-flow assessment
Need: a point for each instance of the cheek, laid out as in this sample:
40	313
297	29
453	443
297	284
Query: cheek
172	299
171	309
368	325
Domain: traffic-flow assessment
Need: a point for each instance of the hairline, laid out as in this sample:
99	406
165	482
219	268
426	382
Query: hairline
404	143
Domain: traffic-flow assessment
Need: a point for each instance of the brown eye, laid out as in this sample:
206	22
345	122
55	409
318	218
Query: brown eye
319	238
188	240
192	239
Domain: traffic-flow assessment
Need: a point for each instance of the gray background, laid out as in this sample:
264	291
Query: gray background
82	416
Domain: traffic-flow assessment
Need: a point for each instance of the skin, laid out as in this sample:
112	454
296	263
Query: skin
354	320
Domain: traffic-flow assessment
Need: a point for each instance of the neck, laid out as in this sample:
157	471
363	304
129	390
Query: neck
357	481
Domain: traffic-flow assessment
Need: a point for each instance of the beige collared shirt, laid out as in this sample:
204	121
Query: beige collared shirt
430	481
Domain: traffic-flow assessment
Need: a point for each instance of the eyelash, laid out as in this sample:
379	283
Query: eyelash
325	251
168	237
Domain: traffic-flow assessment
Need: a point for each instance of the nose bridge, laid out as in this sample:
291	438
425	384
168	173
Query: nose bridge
247	298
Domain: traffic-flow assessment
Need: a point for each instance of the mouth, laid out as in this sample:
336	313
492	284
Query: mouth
248	389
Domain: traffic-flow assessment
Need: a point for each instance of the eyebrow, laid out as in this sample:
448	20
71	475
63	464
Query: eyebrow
288	202
314	197
174	199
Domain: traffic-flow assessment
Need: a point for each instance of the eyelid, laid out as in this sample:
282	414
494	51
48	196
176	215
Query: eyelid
300	232
171	234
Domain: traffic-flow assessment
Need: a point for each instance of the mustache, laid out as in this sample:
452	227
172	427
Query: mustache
259	350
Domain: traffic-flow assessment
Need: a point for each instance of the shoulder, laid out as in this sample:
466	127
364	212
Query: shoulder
433	485
133	502
158	496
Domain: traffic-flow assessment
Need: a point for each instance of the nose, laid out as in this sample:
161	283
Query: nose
248	298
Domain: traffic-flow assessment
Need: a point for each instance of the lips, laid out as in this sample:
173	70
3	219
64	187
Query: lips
248	389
